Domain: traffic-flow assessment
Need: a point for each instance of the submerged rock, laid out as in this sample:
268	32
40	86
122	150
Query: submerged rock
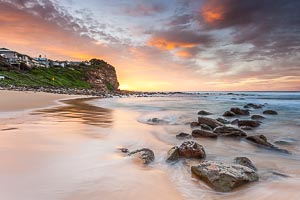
229	131
229	114
188	149
223	121
235	122
203	133
257	117
203	112
145	154
249	128
209	121
251	123
253	105
239	111
224	177
156	121
183	136
270	112
262	141
244	161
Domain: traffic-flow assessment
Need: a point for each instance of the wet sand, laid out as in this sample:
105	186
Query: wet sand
11	101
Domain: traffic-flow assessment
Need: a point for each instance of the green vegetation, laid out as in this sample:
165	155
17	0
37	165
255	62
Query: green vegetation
109	86
46	77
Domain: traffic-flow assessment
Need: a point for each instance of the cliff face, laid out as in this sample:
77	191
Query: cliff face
103	78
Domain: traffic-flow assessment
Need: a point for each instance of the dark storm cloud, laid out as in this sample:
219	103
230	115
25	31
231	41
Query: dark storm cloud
272	26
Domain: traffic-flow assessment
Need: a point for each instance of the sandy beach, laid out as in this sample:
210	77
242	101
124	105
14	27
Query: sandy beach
11	101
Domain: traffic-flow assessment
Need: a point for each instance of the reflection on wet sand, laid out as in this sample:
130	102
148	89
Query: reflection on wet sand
79	109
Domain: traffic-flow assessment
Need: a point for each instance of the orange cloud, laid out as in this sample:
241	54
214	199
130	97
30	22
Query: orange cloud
164	44
212	13
184	54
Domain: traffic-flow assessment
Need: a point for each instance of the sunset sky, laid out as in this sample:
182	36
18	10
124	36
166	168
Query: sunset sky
171	45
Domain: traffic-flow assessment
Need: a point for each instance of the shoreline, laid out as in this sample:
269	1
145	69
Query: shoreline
17	101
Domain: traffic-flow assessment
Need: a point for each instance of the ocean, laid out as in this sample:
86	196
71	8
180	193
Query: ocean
71	151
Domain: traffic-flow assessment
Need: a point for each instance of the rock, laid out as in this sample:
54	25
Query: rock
191	149
203	133
209	121
270	112
146	155
194	124
257	117
245	162
229	114
224	177
246	128
156	121
288	141
183	136
223	121
262	141
124	150
253	105
203	112
173	154
206	127
235	122
188	149
229	131
251	123
239	111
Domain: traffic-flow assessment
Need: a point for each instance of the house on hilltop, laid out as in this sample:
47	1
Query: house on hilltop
16	59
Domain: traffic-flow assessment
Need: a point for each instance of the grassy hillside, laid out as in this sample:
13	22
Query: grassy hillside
46	77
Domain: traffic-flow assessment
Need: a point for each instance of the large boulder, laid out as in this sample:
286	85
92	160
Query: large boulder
251	123
194	124
239	111
203	133
205	127
145	154
188	149
262	141
244	161
204	112
270	112
209	121
229	131
224	177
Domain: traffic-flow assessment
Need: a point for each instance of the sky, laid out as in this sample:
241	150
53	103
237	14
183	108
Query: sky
171	45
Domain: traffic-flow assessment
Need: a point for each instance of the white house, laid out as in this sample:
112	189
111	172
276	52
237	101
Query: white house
15	58
42	62
2	77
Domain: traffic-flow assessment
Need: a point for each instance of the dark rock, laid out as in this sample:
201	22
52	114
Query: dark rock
262	141
244	161
206	127
239	111
235	122
229	114
270	112
229	131
188	149
223	121
191	149
203	133
288	141
173	154
183	136
194	124
156	121
251	123
203	112
253	105
124	150
246	128
257	117
209	121
224	177
146	155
